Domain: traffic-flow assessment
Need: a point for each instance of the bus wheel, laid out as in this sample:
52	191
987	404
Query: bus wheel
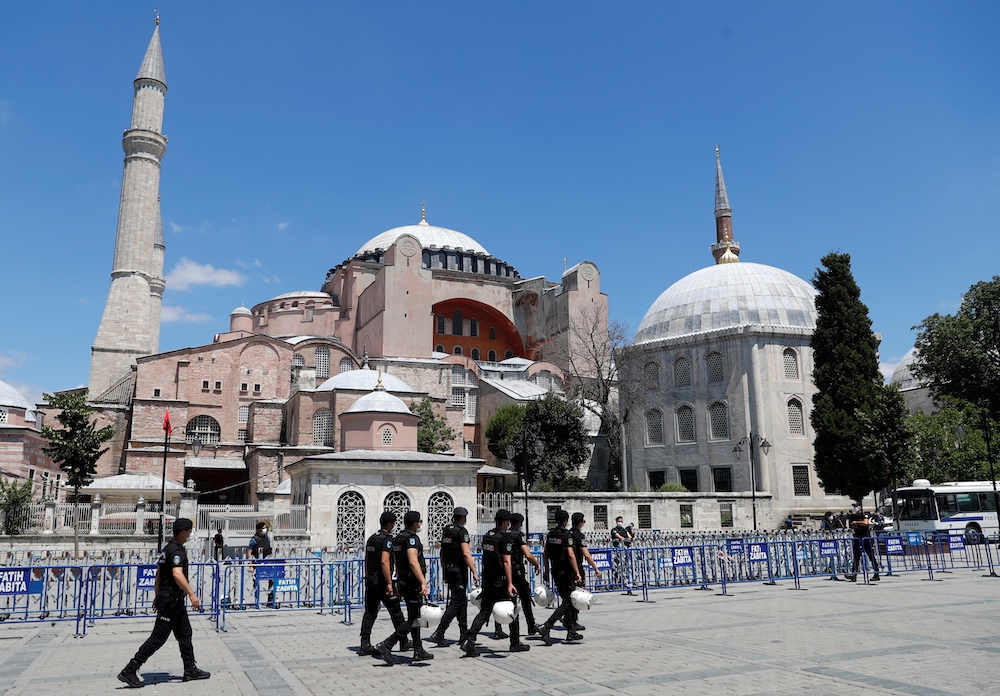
973	534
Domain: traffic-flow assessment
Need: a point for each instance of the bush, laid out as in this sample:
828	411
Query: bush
570	484
14	500
672	488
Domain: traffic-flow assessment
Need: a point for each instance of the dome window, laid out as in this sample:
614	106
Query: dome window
796	423
682	372
714	364
654	427
791	361
651	375
685	424
718	416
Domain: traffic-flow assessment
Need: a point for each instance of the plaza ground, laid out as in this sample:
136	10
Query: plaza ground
903	635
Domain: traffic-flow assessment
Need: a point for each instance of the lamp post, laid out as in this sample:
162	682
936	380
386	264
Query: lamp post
751	441
988	435
526	472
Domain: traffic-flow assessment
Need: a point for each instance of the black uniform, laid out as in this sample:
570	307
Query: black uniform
521	584
378	544
619	556
580	543
557	546
456	576
862	540
496	545
171	612
408	584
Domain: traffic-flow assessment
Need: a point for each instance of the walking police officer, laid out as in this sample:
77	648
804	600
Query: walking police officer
411	582
169	588
457	561
521	554
378	583
582	553
561	566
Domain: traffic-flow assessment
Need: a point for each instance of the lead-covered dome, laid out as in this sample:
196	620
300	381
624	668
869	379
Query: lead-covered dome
12	398
903	376
727	296
429	236
364	379
379	401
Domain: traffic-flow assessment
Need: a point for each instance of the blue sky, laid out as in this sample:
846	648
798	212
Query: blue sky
543	130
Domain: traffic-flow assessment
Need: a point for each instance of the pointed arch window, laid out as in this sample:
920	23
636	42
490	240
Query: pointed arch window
682	372
654	427
718	417
796	422
322	362
685	424
791	361
714	364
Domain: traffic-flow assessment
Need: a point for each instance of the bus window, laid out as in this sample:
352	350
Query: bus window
947	505
968	502
917	508
987	502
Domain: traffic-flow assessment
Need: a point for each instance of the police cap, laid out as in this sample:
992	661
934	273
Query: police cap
411	517
516	518
460	512
388	517
502	515
577	517
182	524
561	515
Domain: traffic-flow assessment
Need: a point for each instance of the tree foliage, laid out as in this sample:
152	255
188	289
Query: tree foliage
941	453
15	496
671	487
433	433
860	423
76	446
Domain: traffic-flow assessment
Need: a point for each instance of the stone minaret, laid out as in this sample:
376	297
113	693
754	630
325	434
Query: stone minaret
725	250
130	326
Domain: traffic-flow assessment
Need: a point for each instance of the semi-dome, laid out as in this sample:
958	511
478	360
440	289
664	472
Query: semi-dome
729	295
241	311
429	236
379	401
12	398
364	379
903	376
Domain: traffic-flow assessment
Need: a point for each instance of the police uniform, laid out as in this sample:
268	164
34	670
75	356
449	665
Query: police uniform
862	541
557	545
378	545
579	544
497	545
456	576
521	577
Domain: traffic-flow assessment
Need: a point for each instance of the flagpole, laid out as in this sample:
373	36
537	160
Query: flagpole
163	480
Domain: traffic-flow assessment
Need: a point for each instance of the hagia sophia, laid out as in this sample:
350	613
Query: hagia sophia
309	392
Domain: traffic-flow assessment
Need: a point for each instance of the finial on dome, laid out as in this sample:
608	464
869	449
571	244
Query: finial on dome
379	387
157	15
729	257
724	243
423	213
364	363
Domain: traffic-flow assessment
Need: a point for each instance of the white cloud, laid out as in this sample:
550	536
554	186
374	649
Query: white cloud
271	279
187	273
887	367
171	314
83	300
6	113
205	227
283	225
249	264
12	359
174	227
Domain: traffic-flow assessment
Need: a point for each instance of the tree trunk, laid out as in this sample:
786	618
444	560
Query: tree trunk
76	522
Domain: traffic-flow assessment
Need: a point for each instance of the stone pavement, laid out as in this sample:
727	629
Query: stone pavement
901	636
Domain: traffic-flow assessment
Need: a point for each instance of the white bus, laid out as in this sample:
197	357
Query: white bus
967	506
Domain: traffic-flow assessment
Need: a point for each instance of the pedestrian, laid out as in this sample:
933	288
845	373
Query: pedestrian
411	583
378	583
260	547
861	524
831	524
561	565
521	585
789	523
582	553
169	589
457	564
498	583
631	535
620	535
219	544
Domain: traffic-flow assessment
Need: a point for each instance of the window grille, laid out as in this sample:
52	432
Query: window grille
241	435
714	363
689	479
493	333
346	365
682	372
440	324
323	427
645	515
471	404
800	480
600	517
654	427
307	316
473	327
457	375
3	415
399	503
256	389
718	414
204	427
244	385
791	364
651	375
297	361
685	424
351	519
657	479
244	415
722	477
687	516
475	354
796	425
508	354
492	355
322	362
726	514
456	323
439	348
458	396
440	508
387	437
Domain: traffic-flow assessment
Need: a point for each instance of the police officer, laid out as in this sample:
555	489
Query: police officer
169	588
521	554
457	562
561	566
498	583
860	523
582	553
378	583
411	582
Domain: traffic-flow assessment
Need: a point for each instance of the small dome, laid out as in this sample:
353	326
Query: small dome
429	236
726	296
241	311
12	397
379	401
903	376
364	379
299	294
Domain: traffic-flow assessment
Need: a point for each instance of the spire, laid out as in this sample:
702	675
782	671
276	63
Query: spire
423	213
721	197
152	62
725	250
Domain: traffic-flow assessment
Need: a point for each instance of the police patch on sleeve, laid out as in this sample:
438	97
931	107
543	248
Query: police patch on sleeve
466	539
176	560
388	543
413	541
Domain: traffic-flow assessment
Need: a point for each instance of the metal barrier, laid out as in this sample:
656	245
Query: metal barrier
42	593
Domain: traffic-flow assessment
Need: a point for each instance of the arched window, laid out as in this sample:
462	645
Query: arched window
346	365
351	519
475	354
323	427
714	364
685	424
492	356
440	324
440	508
493	333
244	414
718	417
425	259
322	362
654	427
443	260
682	372
791	360
399	503
205	428
651	375
298	361
458	350
456	323
387	436
508	354
796	423
439	348
473	327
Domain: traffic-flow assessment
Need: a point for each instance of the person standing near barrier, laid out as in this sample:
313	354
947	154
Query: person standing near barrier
219	544
521	554
620	535
260	547
831	524
169	588
862	541
498	583
582	553
561	565
411	582
378	583
457	563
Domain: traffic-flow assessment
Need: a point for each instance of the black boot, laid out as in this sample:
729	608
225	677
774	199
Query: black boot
405	645
468	646
366	646
498	633
130	675
421	655
192	673
438	639
543	631
384	650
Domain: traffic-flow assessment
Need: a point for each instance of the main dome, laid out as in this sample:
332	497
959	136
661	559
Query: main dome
903	376
9	396
726	296
429	236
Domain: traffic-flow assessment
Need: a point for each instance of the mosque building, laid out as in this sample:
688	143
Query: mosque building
22	455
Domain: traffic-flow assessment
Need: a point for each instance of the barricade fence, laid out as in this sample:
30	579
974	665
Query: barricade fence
120	585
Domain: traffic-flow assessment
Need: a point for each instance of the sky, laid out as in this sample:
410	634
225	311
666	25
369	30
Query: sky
545	131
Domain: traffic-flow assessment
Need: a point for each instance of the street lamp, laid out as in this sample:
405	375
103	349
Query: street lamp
526	472
751	440
988	435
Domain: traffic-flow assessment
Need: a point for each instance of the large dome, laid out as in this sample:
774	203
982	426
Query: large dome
903	376
429	236
364	379
730	295
12	397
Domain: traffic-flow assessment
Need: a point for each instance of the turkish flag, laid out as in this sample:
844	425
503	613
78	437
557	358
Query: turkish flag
166	422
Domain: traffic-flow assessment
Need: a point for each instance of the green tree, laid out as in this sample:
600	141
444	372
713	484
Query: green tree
14	499
949	444
76	446
860	423
670	487
433	433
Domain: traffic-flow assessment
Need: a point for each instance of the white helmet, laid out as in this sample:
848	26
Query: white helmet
430	615
504	612
475	596
582	599
543	597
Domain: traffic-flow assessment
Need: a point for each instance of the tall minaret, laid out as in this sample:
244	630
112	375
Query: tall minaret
725	250
130	327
